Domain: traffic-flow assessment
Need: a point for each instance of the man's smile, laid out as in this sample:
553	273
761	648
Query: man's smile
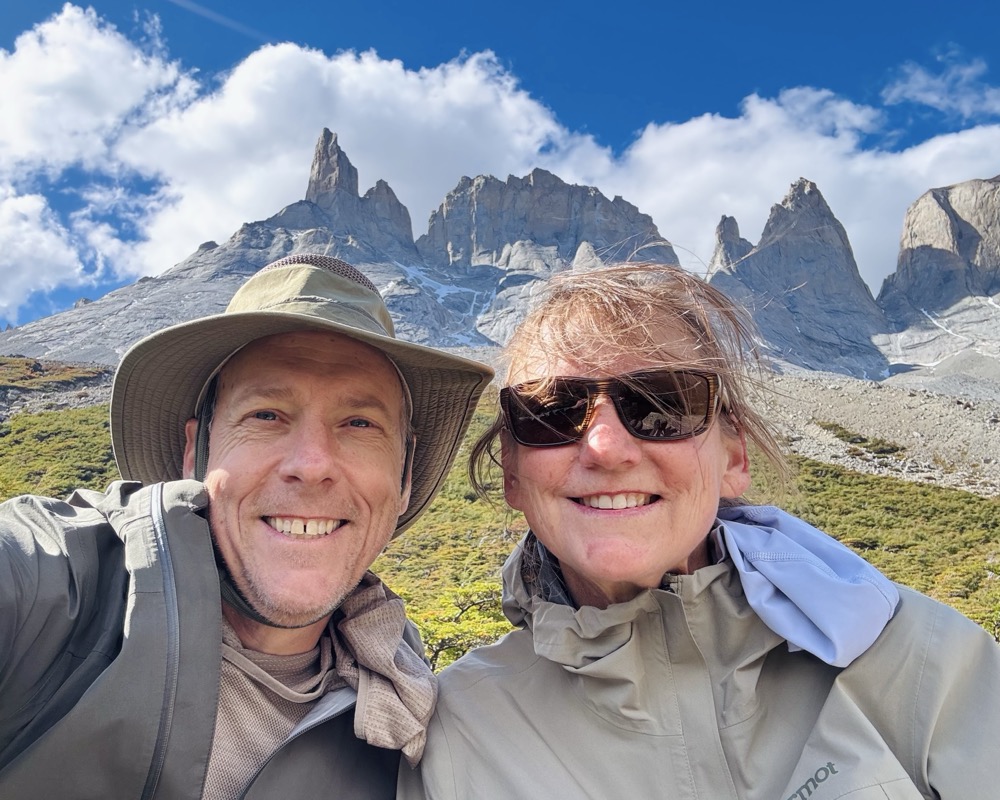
307	528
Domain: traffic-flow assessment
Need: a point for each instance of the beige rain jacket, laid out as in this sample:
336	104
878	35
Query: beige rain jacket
684	693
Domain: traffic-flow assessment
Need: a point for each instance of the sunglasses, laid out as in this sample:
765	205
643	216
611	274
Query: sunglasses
655	405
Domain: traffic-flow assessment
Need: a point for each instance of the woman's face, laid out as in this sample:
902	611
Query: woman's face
670	492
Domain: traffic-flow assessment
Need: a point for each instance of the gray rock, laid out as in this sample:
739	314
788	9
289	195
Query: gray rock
802	286
482	216
949	250
492	245
943	298
521	232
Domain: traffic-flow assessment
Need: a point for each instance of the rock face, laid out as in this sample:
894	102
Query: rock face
949	250
462	285
802	286
506	237
942	299
378	220
483	217
492	244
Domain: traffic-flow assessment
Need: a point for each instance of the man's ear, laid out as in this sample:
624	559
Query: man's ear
190	440
407	481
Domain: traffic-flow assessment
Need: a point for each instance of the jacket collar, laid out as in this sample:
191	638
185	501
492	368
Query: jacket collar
805	586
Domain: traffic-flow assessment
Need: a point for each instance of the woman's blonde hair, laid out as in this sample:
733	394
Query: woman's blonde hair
661	316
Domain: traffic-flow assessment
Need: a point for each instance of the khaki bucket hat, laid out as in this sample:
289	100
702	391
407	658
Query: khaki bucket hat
161	378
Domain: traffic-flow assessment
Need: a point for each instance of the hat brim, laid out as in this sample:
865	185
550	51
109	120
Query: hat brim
159	379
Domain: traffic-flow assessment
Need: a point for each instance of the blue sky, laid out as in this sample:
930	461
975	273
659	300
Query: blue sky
133	131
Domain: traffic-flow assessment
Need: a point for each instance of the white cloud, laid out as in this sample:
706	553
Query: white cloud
958	89
69	86
170	163
36	251
243	152
687	175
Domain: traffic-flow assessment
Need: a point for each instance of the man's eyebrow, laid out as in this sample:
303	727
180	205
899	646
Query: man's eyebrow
356	401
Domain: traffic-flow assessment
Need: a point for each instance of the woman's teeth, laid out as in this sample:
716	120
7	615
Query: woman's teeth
616	501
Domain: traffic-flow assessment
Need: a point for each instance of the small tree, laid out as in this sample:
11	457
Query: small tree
460	619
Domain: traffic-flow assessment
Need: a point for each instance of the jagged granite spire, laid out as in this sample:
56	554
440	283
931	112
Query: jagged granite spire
730	247
802	286
331	172
378	220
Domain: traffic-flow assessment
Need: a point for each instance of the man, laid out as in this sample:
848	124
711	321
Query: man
313	436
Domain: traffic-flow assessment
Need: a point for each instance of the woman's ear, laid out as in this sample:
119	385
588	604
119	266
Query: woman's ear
736	477
508	463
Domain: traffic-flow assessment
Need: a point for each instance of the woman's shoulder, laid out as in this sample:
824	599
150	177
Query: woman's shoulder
491	665
925	633
918	611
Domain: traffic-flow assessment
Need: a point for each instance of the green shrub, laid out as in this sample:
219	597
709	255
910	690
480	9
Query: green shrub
943	542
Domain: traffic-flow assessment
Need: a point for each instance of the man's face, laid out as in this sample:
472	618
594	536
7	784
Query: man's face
305	464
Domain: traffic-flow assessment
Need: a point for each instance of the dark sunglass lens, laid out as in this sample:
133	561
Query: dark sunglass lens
550	415
667	405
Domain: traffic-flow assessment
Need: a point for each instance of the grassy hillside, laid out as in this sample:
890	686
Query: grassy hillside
54	452
940	541
29	373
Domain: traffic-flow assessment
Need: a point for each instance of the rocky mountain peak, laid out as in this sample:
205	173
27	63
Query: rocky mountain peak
482	218
378	220
331	172
805	208
949	251
802	269
730	247
470	279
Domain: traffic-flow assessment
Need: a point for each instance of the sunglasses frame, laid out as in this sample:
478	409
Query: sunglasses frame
612	387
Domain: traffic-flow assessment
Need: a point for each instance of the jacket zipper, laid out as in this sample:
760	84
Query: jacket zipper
173	644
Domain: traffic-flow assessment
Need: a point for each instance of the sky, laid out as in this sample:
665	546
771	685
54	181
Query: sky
131	132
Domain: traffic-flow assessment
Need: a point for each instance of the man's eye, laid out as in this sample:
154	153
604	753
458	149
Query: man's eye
265	415
360	423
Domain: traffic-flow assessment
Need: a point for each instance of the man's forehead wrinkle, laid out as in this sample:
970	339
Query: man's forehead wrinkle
351	397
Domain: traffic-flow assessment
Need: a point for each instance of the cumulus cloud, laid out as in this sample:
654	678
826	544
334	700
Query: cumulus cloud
243	151
958	89
120	162
37	253
688	175
69	86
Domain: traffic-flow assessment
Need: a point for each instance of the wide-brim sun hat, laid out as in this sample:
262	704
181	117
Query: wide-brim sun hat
161	378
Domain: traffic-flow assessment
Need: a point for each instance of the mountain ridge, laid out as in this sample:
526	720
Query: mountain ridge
491	244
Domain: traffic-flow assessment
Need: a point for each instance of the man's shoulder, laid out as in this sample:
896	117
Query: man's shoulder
30	521
32	525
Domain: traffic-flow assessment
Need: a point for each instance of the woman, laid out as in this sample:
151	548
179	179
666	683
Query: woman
671	641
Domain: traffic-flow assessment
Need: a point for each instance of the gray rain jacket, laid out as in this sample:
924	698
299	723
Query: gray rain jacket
684	693
110	642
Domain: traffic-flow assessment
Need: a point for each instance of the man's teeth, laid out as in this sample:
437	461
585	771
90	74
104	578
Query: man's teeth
296	526
629	500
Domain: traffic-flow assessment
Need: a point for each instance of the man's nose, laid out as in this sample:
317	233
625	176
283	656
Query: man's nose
312	453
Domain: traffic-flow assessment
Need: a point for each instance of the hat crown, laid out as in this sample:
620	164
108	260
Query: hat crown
316	286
